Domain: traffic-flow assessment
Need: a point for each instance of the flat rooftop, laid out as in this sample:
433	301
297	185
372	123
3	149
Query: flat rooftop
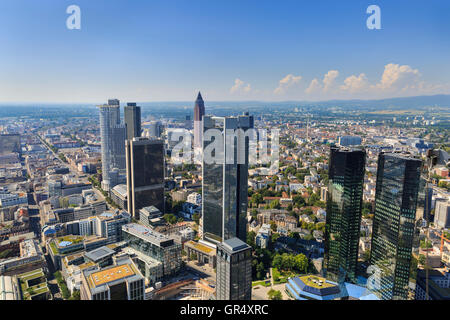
146	233
99	253
235	245
112	274
316	282
200	247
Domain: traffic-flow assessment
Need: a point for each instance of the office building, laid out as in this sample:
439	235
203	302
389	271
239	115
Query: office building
234	270
438	285
346	141
9	288
155	129
199	112
119	195
442	214
132	116
154	245
311	287
394	235
145	174
225	183
113	136
343	219
122	281
150	216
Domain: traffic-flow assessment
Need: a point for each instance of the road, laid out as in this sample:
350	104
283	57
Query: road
51	280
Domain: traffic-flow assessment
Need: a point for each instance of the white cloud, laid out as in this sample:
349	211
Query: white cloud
397	77
313	87
354	84
240	87
286	83
329	80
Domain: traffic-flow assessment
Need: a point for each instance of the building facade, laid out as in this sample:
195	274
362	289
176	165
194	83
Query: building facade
199	112
343	219
145	174
225	183
155	245
132	115
113	136
394	236
234	270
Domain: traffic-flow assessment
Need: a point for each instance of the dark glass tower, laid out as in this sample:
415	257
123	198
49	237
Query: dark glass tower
342	230
199	112
394	237
234	270
132	116
145	174
225	185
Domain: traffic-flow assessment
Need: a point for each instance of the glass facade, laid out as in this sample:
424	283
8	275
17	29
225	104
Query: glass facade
234	273
113	135
132	115
394	237
225	185
166	250
145	174
342	229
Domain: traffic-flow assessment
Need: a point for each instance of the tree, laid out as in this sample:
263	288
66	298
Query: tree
301	263
277	261
170	218
193	256
256	199
196	218
251	239
260	270
274	295
275	204
75	295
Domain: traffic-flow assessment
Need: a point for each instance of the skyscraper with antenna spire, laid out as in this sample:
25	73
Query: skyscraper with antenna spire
199	112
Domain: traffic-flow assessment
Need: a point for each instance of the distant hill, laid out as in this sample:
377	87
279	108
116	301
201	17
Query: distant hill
440	100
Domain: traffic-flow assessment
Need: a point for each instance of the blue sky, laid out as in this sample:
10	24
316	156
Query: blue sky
163	50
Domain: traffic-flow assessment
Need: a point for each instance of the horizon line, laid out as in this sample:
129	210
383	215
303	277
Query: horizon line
26	103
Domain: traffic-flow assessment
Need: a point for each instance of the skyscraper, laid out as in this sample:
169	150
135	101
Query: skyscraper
234	270
199	112
225	184
342	229
145	174
394	236
113	135
132	115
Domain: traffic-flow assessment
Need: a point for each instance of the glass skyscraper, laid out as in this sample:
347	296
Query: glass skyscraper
344	204
234	270
113	135
225	183
394	237
132	115
145	174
